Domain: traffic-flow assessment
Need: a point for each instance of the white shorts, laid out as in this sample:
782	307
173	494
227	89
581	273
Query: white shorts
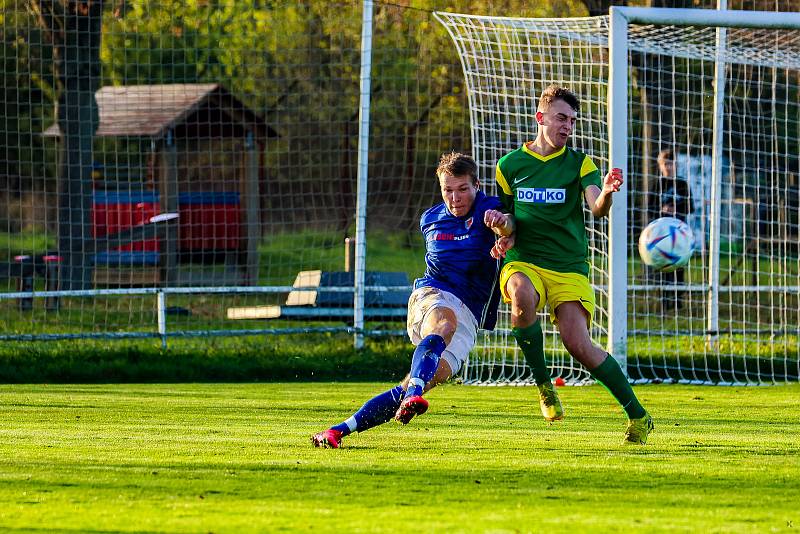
422	301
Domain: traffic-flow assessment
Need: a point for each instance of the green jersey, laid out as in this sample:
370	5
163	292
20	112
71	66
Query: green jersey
545	195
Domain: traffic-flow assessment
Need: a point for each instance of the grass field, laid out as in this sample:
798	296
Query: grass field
236	457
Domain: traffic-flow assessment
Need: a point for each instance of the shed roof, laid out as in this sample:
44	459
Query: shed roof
152	110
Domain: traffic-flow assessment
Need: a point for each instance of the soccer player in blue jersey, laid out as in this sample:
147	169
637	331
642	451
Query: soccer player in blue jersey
457	295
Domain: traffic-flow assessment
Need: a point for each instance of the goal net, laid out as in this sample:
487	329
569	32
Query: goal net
732	315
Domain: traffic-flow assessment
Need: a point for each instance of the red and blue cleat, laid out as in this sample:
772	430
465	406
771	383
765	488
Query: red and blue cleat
327	439
411	406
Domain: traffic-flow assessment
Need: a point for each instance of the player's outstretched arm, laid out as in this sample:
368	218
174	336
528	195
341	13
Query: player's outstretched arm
599	201
500	223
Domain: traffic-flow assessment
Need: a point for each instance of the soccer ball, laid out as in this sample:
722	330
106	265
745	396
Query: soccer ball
666	244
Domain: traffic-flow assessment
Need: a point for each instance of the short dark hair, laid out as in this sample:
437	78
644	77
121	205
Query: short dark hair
556	92
457	164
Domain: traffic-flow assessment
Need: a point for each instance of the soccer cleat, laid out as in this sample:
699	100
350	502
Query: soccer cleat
327	439
638	430
550	403
411	406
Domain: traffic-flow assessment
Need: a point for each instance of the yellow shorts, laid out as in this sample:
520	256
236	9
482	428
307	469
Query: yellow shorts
554	288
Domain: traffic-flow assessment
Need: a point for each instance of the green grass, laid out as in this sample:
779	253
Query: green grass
306	357
230	458
330	356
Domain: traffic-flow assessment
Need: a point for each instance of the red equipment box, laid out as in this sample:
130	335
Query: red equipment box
209	221
114	211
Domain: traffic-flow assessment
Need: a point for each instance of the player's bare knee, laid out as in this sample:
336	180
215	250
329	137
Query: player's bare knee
447	329
442	322
523	313
523	319
513	283
524	300
518	287
444	328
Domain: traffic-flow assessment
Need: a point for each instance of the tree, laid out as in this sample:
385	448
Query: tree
27	97
74	29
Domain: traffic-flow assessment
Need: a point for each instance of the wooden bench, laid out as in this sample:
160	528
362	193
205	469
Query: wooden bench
335	306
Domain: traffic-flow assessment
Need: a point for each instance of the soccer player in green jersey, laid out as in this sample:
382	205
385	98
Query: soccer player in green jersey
543	185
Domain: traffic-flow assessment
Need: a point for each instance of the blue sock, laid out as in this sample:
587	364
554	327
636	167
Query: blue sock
375	411
424	363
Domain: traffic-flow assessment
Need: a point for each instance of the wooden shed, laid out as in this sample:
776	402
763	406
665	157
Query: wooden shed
205	149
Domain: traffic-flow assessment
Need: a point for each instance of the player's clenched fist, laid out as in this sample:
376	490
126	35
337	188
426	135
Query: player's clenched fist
495	219
613	180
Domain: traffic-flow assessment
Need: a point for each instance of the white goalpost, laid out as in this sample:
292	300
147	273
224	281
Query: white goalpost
718	92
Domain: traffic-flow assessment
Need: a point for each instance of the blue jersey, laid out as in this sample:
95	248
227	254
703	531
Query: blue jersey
458	258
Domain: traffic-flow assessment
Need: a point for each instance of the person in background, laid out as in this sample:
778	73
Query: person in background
673	201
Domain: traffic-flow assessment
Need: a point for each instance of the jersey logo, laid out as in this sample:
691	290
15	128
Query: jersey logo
442	236
468	223
540	195
518	180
